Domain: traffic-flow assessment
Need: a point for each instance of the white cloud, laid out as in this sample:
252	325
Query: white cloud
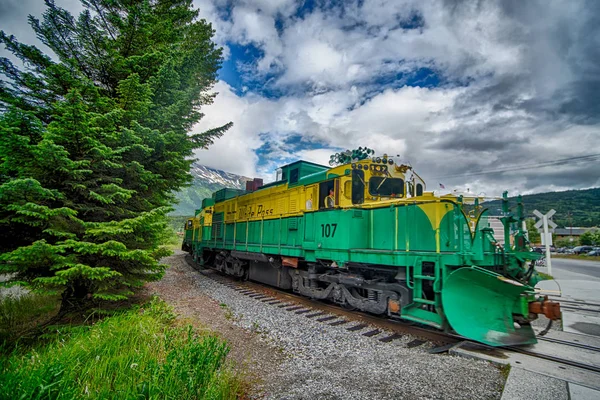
318	156
519	84
386	123
234	152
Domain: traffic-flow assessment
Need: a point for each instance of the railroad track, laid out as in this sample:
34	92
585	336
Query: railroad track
335	315
361	323
561	360
372	326
571	305
572	344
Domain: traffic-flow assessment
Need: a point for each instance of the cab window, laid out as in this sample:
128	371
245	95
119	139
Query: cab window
358	186
324	189
294	174
384	186
419	189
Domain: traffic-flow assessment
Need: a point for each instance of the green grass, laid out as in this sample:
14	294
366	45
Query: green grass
20	314
576	257
545	277
173	241
138	354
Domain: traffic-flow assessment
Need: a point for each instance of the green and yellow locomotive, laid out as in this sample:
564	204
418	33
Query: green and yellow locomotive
367	234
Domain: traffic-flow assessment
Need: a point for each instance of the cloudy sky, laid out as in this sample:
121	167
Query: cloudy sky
486	95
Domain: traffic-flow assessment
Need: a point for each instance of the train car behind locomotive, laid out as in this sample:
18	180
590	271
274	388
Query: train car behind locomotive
367	234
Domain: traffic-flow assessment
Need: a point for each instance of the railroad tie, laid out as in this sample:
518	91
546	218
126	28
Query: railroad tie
415	343
275	302
337	323
255	295
388	339
294	308
262	296
315	314
267	299
303	311
442	349
246	291
372	333
284	305
326	318
357	327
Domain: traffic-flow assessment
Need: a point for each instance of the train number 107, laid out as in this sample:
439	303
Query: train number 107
327	231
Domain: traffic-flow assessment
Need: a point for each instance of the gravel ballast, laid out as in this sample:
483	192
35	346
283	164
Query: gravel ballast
300	358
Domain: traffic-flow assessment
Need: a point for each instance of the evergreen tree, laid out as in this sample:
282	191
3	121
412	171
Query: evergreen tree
532	231
94	141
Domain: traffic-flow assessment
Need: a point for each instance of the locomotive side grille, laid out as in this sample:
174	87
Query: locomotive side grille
293	206
230	212
357	214
218	230
217	227
293	224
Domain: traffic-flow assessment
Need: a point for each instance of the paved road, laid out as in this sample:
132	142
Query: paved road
576	279
562	267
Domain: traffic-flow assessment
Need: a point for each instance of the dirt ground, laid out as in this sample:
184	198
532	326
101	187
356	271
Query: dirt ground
249	354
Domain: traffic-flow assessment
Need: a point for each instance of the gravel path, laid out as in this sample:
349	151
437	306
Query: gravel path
300	358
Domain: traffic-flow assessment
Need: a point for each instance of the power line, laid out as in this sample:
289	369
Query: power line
520	167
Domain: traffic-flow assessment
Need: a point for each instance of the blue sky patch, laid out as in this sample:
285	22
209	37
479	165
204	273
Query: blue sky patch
283	150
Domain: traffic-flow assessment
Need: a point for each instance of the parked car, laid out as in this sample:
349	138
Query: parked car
582	249
595	252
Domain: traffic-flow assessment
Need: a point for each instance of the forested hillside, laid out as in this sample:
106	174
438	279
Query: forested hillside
582	205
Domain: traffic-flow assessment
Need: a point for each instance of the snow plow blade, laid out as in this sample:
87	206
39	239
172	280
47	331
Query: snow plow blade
479	305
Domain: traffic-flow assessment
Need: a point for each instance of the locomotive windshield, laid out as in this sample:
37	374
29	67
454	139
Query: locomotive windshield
384	186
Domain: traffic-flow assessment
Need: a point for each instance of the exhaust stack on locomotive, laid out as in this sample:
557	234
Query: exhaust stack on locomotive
365	233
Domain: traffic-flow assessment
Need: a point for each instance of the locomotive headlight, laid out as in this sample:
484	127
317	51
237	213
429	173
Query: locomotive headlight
378	160
391	162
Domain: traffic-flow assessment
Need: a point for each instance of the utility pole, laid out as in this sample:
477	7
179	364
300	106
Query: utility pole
546	235
569	215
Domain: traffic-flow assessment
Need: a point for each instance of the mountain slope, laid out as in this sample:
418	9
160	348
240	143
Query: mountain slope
206	181
583	205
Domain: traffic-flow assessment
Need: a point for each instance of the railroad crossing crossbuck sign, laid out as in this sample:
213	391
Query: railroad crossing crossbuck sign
545	221
550	224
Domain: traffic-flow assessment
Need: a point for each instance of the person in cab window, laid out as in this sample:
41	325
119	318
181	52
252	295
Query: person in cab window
330	200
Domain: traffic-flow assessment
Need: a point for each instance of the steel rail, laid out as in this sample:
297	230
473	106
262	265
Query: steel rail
555	359
571	344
